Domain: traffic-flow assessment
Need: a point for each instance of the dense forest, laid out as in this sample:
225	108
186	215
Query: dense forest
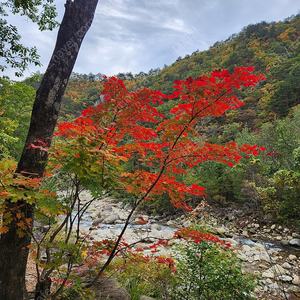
270	118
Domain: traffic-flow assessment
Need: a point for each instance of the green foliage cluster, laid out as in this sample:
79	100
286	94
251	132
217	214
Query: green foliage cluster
206	272
16	100
203	271
281	198
13	53
140	277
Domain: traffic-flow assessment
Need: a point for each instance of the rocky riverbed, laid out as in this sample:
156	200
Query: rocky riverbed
272	252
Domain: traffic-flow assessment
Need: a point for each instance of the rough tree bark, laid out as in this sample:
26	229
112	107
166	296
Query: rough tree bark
14	252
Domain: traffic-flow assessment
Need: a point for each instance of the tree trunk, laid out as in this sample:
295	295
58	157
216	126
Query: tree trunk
77	20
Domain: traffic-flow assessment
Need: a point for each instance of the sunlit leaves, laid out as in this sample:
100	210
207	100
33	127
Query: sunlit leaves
17	188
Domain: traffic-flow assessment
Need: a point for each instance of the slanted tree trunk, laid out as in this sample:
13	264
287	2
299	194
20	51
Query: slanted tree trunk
77	20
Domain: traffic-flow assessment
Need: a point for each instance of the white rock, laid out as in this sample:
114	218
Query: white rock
250	259
277	269
293	289
265	257
231	241
246	248
273	226
156	226
263	266
111	219
267	274
245	233
286	265
256	257
295	242
273	286
292	257
285	278
296	280
221	230
242	256
172	223
259	246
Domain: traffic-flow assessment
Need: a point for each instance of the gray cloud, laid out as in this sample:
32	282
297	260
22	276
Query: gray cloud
137	35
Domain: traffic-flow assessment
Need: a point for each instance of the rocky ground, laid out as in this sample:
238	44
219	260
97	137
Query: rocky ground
272	252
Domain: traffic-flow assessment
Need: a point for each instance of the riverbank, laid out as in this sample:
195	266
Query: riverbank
269	251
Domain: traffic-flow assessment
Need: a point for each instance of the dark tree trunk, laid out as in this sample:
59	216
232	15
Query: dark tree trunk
77	20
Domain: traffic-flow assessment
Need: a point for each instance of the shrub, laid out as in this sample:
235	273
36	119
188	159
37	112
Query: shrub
145	276
205	272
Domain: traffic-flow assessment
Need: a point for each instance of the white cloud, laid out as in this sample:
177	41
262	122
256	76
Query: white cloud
137	35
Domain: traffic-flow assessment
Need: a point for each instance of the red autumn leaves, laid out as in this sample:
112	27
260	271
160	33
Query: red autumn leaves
128	125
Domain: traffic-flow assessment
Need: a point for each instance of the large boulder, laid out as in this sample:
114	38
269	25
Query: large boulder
98	221
107	288
111	219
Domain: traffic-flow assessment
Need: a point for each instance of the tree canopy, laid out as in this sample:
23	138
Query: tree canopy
12	53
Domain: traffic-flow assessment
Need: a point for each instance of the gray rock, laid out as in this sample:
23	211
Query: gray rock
231	241
284	242
221	230
156	227
109	208
285	278
259	246
286	265
98	221
43	228
295	242
245	233
107	288
267	274
137	221
292	257
293	289
111	219
273	286
296	280
278	270
146	298
187	224
172	224
246	248
242	256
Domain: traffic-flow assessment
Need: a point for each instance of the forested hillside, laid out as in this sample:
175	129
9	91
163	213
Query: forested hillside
269	118
272	48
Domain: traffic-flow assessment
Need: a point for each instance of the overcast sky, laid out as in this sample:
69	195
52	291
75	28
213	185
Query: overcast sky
137	35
